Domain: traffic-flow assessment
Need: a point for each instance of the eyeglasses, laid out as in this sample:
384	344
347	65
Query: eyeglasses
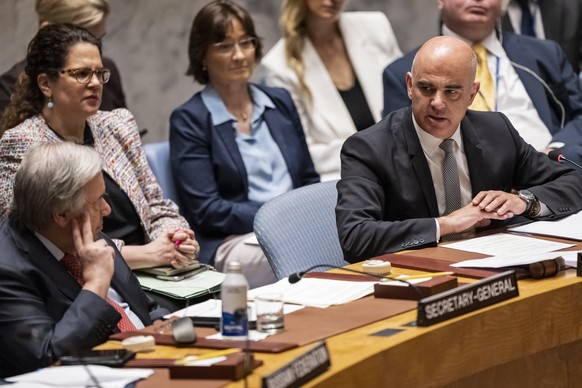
227	47
85	75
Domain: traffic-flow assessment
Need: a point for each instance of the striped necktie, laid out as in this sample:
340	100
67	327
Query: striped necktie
452	184
74	267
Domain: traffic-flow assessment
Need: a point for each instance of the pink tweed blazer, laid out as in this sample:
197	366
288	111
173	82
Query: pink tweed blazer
117	141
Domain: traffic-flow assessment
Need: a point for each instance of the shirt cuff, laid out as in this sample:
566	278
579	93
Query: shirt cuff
438	231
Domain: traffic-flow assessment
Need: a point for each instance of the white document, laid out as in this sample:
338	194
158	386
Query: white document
508	260
212	308
568	227
571	258
314	292
504	244
77	376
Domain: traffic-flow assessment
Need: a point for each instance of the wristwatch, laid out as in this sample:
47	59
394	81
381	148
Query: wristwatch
532	203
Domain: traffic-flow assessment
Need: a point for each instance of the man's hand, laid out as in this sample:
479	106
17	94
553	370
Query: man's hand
96	257
500	202
466	218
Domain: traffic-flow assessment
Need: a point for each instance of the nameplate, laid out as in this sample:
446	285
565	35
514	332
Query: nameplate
301	370
467	298
579	264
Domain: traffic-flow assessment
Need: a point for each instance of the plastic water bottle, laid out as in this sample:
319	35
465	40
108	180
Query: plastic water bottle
233	292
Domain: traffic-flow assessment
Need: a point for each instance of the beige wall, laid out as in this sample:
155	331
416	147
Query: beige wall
148	40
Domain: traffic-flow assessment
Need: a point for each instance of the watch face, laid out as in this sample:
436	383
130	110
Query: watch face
526	195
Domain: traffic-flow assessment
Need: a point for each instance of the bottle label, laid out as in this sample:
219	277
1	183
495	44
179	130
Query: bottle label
234	321
235	324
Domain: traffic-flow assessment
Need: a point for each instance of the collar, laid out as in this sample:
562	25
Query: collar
52	248
491	43
430	144
219	113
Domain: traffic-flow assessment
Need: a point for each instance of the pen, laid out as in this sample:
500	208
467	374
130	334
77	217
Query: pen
428	275
188	359
177	243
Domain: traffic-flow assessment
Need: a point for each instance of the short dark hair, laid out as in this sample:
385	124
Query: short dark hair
211	25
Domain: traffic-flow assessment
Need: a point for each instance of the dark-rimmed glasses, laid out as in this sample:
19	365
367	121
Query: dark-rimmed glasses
84	75
227	47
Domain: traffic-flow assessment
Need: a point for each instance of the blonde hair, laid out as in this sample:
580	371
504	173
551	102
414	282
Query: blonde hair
84	13
293	16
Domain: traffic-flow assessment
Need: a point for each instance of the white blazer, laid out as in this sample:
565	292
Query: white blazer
371	46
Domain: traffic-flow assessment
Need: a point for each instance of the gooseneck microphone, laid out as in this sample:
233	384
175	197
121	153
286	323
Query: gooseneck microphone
294	278
557	156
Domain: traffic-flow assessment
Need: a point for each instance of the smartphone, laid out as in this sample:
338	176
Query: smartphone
177	278
114	357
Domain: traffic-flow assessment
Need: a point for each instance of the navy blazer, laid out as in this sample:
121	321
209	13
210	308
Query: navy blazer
386	198
543	57
43	311
562	23
211	179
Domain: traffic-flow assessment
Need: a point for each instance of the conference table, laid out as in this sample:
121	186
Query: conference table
532	340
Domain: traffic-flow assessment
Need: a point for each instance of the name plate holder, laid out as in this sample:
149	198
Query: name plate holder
301	370
467	298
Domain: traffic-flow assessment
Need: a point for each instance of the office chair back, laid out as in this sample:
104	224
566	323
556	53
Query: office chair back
297	230
158	156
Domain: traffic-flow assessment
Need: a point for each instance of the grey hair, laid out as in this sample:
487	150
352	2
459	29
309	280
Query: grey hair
51	180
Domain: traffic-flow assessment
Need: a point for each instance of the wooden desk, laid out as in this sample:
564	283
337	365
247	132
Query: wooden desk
532	340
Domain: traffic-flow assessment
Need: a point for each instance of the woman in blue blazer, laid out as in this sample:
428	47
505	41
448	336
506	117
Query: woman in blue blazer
234	145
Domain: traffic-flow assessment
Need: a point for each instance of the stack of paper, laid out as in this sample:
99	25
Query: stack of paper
207	282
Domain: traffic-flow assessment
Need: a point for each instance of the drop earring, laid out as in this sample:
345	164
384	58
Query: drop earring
50	104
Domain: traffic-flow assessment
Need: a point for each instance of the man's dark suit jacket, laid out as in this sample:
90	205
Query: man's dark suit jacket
386	198
113	96
43	311
210	175
543	57
562	23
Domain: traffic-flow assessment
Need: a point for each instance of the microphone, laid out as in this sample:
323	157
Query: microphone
557	156
295	277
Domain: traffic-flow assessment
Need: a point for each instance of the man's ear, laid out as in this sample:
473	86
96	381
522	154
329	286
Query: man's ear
62	219
44	85
409	84
474	90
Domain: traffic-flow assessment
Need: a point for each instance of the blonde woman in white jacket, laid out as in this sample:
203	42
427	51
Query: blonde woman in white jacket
331	62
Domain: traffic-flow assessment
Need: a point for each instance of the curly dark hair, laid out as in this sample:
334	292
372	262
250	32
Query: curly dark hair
47	53
211	25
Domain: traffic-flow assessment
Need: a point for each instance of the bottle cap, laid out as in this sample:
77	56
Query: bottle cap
234	266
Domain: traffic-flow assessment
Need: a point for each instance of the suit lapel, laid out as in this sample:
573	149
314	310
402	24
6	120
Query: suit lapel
419	163
519	53
366	71
42	259
226	134
474	155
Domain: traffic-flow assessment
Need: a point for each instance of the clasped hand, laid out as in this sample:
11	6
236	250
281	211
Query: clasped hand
486	206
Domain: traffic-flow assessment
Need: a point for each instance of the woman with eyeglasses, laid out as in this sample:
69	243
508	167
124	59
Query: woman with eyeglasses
331	62
234	145
57	99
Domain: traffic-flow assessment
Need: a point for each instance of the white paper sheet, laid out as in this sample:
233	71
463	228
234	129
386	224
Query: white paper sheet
507	260
212	308
507	244
77	376
569	227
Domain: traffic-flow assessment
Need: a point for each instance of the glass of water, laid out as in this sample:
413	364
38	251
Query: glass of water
270	317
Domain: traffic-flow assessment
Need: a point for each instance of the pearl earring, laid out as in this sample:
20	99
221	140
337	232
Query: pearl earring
50	104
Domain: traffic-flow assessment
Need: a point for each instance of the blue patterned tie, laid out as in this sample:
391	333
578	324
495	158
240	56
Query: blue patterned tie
527	21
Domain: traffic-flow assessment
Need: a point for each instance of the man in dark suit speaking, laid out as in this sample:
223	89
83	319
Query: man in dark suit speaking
437	170
63	285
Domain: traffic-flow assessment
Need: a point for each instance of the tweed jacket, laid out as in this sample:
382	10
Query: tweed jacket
117	140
